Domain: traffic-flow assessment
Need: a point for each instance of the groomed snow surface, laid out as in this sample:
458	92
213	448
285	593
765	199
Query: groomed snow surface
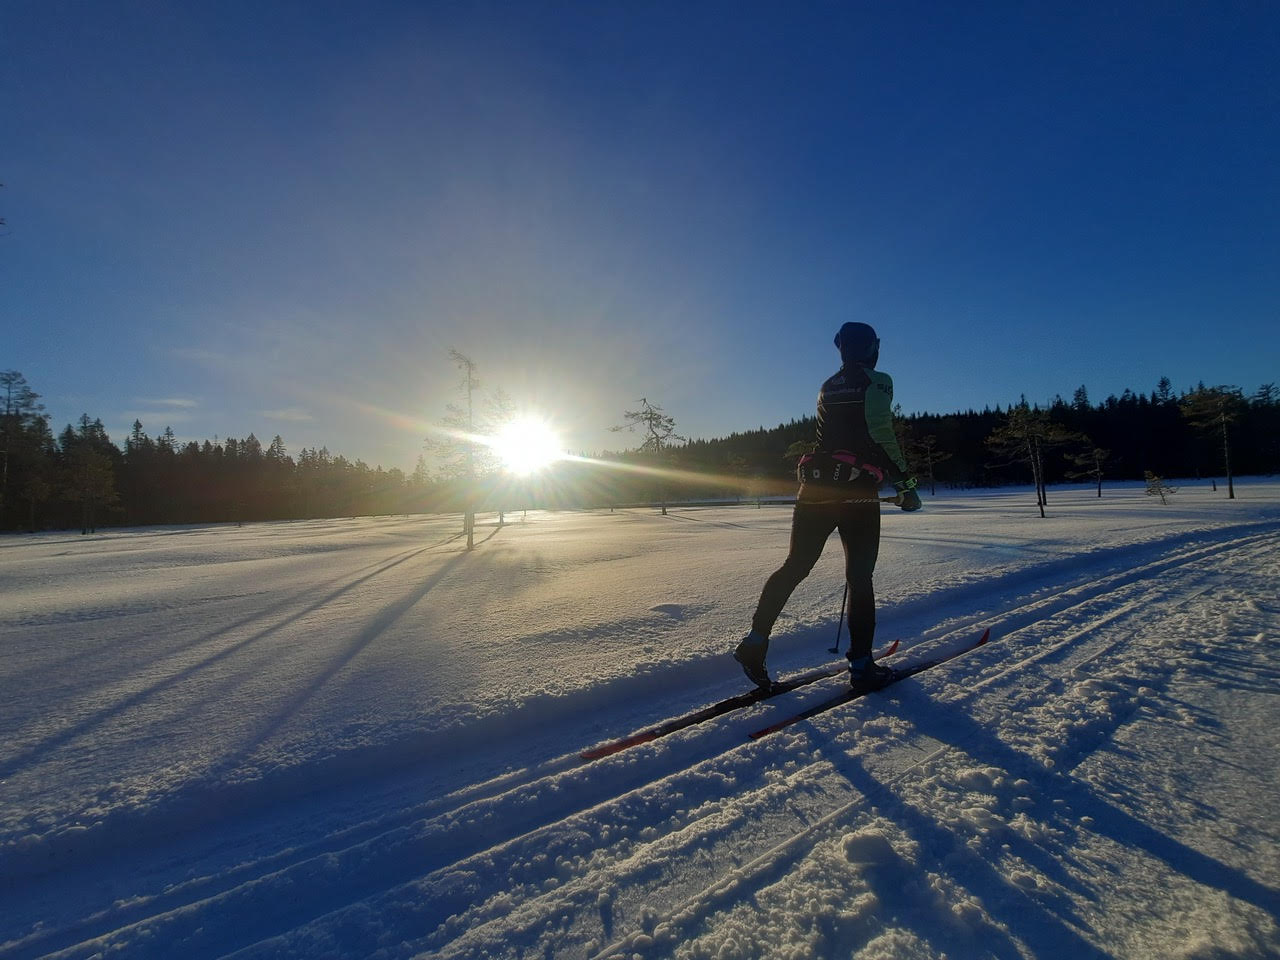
355	739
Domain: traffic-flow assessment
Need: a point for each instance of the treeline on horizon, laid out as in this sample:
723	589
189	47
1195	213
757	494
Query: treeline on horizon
81	479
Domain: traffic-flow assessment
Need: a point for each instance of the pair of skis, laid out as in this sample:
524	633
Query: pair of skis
899	673
760	694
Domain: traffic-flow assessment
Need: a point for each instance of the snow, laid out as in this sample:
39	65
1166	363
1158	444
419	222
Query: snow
353	738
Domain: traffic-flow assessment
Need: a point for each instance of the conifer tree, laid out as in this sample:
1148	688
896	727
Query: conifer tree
1212	410
22	424
924	455
1089	463
1156	487
88	476
659	430
1025	437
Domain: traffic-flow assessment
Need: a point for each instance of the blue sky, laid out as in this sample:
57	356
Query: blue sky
280	217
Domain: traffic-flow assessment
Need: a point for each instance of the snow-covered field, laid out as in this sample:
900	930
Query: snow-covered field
355	739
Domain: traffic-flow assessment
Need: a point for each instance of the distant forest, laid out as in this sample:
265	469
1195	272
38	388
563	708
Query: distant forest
81	479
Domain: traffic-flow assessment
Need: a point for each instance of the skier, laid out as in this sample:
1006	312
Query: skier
856	454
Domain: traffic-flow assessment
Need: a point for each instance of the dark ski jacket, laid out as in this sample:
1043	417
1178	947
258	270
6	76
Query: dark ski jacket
855	415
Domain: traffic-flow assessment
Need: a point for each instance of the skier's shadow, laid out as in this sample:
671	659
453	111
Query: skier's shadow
1047	930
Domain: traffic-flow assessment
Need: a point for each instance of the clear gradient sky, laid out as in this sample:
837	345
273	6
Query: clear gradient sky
278	217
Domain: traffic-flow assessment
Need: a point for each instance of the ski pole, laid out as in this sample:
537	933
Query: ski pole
840	624
894	499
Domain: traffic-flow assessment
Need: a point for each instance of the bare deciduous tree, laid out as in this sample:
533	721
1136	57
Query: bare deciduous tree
461	449
456	447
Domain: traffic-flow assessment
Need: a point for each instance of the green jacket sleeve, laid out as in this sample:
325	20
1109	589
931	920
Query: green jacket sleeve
879	410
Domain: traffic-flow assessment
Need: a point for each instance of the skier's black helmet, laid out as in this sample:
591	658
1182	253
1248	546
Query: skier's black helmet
858	344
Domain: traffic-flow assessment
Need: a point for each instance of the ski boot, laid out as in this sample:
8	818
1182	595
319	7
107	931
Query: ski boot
866	675
750	654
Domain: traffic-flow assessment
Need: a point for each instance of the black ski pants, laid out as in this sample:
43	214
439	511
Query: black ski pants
859	526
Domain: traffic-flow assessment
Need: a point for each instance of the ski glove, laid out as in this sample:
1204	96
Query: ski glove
908	499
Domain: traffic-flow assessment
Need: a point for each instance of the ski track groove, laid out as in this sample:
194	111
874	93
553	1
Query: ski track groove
701	903
659	934
1002	624
298	866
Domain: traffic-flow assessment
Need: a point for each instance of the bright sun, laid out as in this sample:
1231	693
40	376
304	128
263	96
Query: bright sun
526	445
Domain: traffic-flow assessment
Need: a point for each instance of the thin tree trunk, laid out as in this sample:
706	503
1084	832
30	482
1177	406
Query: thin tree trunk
1226	456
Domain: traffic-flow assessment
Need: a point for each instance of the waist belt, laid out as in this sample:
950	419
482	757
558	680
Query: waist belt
835	468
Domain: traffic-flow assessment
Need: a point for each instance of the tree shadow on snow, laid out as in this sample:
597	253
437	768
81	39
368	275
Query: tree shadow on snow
383	621
40	749
1046	932
1044	925
726	524
1235	670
